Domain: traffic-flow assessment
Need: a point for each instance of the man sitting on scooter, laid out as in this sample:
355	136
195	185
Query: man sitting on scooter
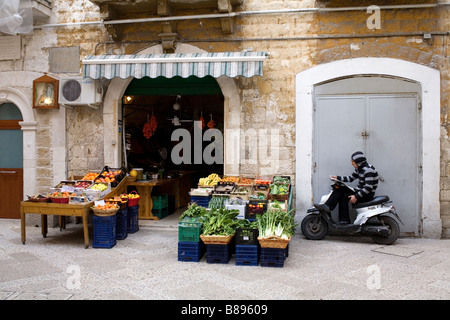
365	191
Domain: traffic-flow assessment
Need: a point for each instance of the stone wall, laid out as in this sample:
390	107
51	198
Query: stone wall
295	41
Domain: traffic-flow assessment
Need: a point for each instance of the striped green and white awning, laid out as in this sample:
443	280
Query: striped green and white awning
217	64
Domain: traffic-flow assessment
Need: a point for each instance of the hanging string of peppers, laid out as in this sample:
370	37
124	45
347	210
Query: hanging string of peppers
150	127
201	125
212	123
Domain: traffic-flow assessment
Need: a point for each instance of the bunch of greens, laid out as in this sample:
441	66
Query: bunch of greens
220	222
193	211
276	222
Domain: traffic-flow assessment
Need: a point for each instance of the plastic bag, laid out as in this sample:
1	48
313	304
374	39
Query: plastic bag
16	16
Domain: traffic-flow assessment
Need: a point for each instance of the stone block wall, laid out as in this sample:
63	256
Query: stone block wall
295	41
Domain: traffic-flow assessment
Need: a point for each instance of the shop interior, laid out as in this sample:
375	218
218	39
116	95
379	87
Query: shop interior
154	108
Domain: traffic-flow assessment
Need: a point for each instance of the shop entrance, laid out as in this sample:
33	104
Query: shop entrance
11	161
153	109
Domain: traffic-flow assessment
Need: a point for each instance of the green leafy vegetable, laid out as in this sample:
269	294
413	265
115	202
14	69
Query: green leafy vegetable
276	222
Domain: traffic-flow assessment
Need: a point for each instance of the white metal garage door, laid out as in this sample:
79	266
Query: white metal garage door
386	128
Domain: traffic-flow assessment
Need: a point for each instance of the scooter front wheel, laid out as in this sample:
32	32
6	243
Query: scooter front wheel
314	227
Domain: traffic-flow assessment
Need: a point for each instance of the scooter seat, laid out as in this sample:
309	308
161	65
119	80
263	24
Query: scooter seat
374	201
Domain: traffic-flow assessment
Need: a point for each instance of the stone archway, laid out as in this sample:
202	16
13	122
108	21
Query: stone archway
429	81
112	107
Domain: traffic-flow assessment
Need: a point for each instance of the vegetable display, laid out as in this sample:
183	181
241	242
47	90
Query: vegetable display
216	221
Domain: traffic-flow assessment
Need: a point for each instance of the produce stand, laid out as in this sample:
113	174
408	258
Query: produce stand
249	217
74	209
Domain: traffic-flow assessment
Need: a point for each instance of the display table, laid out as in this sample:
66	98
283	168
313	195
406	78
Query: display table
145	189
43	208
71	209
178	187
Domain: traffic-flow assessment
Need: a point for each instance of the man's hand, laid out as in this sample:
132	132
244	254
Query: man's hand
352	199
333	177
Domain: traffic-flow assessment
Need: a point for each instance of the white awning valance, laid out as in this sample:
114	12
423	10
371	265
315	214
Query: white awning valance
215	64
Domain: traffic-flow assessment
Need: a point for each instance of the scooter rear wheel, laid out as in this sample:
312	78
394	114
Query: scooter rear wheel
314	227
394	231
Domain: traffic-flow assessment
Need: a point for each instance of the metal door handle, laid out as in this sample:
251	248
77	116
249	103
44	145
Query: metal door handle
8	171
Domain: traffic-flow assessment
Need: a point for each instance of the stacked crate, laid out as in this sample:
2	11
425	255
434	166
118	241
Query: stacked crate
104	231
133	219
247	247
219	253
122	223
273	257
247	255
160	206
190	246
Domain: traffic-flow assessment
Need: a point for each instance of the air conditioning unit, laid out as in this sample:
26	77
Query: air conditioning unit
79	91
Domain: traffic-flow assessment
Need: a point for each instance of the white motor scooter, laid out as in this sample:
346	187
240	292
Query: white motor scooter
376	218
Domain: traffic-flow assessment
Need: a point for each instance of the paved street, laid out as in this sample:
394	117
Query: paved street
145	266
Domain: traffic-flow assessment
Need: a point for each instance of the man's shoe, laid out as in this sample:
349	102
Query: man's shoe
344	222
322	207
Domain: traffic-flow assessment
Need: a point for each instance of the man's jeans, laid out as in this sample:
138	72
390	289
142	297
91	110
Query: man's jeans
340	196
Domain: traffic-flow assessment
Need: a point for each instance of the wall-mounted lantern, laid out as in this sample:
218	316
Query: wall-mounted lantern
45	93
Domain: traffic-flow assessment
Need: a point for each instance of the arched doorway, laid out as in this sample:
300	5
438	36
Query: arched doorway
10	95
112	112
379	116
11	161
428	79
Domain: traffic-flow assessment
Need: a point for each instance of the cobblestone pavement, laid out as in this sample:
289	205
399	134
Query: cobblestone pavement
145	266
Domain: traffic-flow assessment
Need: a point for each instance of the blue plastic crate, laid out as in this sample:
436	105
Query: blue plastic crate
104	231
133	219
272	257
122	224
190	251
247	255
202	201
218	253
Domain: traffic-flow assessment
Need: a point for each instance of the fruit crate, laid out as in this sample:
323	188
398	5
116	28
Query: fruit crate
190	251
160	201
121	173
246	236
122	224
273	257
133	219
104	230
218	253
224	187
202	201
161	213
256	207
247	255
190	229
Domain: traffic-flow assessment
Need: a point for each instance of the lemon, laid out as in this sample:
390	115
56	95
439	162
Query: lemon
133	173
